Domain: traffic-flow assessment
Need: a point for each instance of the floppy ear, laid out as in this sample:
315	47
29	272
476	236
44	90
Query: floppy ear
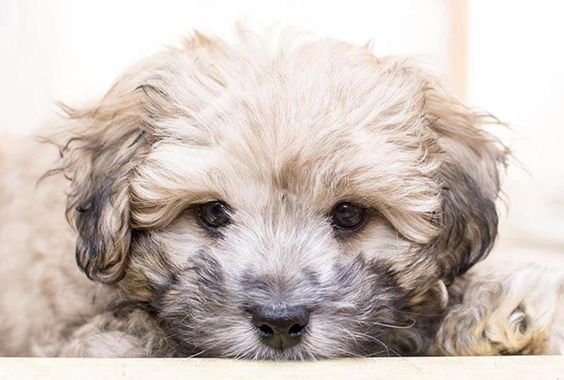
469	176
105	145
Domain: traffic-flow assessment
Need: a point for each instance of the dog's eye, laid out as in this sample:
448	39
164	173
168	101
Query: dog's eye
214	215
348	216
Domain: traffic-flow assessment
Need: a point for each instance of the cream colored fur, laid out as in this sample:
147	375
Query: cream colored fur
282	133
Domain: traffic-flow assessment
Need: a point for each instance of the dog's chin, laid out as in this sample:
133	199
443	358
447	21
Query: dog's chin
259	351
254	349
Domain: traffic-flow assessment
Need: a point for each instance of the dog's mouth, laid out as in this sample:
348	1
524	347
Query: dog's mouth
295	342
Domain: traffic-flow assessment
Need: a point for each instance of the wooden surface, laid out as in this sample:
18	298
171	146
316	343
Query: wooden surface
483	368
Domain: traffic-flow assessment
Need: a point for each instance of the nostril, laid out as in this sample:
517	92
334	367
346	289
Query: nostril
296	330
266	331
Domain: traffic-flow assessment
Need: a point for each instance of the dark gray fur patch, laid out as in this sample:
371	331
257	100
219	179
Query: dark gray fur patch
469	218
93	241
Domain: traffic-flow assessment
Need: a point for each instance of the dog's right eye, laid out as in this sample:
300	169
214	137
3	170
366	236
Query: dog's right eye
214	215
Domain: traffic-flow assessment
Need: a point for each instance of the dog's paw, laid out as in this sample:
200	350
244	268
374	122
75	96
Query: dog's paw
514	315
114	344
104	336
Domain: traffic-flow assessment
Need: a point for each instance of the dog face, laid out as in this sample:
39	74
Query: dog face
305	202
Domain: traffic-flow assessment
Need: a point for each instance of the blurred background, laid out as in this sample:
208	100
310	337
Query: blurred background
506	57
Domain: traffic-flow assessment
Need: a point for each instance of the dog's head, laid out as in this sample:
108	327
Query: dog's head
300	202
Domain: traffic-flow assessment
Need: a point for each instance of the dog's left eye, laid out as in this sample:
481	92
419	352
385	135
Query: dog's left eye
348	216
214	215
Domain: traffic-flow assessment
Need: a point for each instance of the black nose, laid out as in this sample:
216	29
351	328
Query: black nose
281	327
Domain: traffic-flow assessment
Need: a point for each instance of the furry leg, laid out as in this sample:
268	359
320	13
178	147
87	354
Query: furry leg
518	313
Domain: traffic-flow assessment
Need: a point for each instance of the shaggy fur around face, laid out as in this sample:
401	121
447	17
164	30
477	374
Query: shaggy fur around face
281	135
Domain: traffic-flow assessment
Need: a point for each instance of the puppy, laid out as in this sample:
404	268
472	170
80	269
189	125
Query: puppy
302	201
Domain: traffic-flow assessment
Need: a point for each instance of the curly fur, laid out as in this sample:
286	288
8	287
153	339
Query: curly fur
282	134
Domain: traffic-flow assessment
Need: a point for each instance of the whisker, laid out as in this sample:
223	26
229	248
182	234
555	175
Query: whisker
195	355
413	321
412	312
